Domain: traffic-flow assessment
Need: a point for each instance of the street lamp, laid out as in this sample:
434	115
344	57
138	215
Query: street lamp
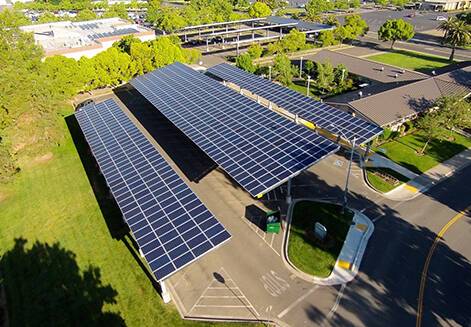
308	82
301	67
352	143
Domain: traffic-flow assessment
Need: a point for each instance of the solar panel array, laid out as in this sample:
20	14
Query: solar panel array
256	147
326	117
168	221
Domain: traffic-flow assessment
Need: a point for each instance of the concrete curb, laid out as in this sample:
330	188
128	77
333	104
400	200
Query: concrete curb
339	275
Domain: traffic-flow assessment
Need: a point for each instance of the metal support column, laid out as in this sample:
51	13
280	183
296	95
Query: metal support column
345	193
289	198
367	152
165	293
207	45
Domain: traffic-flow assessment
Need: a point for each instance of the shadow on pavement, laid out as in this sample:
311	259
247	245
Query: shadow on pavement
386	290
192	161
45	287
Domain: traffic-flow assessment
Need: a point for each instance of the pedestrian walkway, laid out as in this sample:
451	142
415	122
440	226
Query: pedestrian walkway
379	161
348	262
431	177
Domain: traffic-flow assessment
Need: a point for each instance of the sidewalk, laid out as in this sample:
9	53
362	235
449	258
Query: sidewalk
377	160
431	177
349	259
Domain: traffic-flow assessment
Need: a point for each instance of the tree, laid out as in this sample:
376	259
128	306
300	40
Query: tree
153	11
294	41
85	14
331	20
456	112
432	127
354	26
325	76
255	51
341	75
259	9
395	29
169	20
326	38
316	7
309	66
48	17
283	70
116	10
244	62
457	33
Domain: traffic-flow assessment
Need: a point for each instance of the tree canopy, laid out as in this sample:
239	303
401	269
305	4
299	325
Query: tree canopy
34	92
259	9
395	29
457	33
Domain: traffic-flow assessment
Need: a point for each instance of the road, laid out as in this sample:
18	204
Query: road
386	290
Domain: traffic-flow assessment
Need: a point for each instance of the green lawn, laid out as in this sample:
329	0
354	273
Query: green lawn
302	251
411	60
404	151
382	184
76	270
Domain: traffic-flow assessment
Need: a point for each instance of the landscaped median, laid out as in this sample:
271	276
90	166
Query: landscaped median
384	179
337	258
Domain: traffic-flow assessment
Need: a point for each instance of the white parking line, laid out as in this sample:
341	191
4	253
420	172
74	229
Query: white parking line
234	289
295	303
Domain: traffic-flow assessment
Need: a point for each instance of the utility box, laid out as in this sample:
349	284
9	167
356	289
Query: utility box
273	222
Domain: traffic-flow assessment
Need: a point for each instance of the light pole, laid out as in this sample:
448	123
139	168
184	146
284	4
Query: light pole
308	83
352	143
269	73
301	67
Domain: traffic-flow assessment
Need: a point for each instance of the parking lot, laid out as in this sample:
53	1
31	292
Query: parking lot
245	279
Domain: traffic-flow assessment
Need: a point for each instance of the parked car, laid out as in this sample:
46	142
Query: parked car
440	18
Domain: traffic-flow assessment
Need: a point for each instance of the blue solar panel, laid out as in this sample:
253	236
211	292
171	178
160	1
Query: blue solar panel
255	146
326	117
168	221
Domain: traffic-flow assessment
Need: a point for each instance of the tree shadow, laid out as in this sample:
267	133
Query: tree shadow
108	206
45	287
117	227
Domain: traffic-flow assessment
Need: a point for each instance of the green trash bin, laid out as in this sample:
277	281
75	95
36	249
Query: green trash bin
273	222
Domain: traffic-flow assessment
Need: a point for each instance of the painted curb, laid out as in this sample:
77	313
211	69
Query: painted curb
336	277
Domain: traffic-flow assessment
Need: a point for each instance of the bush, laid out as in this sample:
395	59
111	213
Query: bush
244	62
255	51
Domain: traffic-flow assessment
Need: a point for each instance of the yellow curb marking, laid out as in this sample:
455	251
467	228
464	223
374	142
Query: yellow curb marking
411	188
344	264
361	227
423	280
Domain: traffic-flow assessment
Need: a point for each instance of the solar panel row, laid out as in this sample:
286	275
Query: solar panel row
257	148
170	224
326	117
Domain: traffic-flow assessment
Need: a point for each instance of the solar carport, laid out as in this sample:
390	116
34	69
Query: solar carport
168	221
258	148
319	114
